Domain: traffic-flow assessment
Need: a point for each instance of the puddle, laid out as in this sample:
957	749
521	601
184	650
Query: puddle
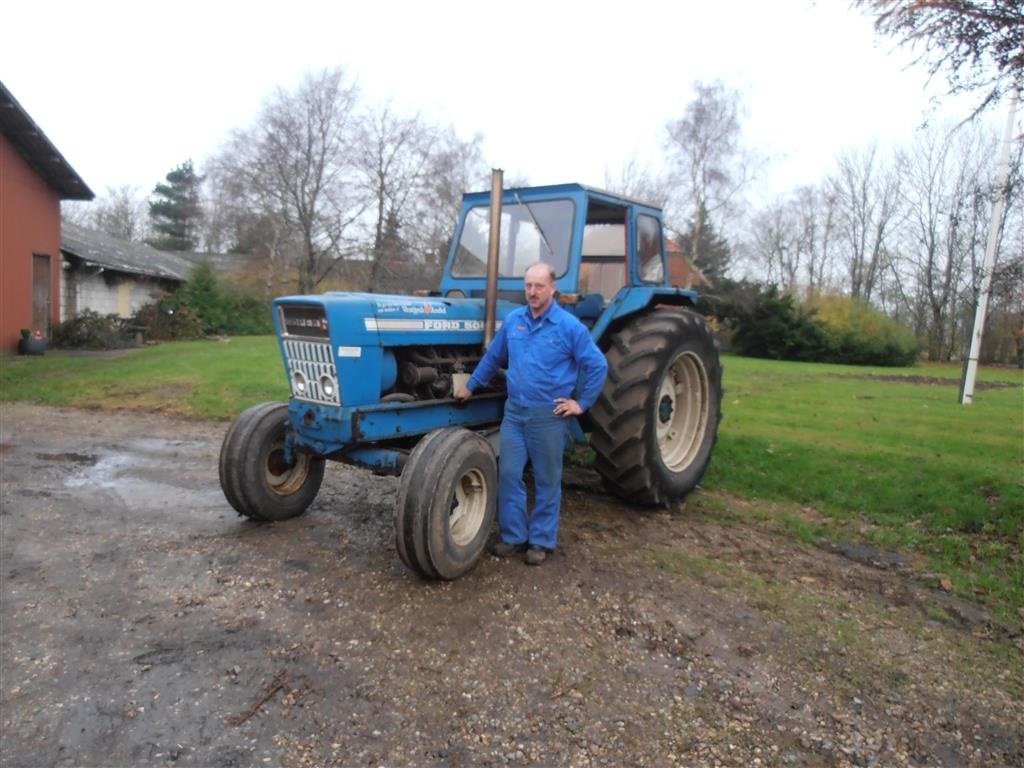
149	473
104	472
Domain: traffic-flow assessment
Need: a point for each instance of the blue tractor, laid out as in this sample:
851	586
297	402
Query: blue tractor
372	375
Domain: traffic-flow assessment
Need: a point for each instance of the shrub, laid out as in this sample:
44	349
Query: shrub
168	320
832	329
858	334
91	330
220	309
777	327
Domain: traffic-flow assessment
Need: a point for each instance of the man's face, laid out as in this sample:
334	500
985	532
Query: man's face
540	289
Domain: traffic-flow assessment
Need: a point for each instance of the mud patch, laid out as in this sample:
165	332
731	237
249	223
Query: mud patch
862	553
931	381
71	458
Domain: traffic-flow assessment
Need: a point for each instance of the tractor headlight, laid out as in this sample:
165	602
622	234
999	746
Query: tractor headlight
299	383
327	386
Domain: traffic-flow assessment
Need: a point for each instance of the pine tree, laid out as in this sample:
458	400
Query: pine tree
175	211
711	253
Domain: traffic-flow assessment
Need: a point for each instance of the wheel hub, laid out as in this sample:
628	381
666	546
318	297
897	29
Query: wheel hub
665	408
682	411
469	506
284	478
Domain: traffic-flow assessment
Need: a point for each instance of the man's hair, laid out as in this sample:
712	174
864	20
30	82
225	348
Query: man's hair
548	267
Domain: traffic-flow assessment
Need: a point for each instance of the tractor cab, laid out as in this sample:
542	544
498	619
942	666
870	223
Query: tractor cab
586	234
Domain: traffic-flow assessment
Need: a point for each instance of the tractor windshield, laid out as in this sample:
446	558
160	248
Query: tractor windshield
530	232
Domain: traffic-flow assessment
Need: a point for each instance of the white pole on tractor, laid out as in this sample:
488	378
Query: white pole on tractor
998	205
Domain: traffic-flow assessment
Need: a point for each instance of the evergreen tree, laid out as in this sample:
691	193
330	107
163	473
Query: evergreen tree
175	211
711	253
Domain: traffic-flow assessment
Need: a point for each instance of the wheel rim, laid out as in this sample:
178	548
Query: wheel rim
681	411
469	507
281	477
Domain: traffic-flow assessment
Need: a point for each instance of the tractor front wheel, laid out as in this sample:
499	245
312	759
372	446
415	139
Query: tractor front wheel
447	501
657	418
255	474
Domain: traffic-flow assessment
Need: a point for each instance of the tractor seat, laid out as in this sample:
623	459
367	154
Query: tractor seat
589	308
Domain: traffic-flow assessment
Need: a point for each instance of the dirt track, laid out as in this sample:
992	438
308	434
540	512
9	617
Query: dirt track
144	623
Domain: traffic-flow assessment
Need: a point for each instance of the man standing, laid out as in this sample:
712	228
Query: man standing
544	348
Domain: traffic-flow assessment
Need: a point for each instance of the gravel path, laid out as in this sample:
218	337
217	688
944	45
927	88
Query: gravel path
144	623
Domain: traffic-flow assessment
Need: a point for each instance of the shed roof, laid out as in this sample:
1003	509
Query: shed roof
112	253
39	152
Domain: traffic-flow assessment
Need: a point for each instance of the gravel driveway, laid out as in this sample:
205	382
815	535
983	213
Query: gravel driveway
145	623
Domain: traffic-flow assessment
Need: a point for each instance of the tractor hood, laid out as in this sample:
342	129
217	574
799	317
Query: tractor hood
371	319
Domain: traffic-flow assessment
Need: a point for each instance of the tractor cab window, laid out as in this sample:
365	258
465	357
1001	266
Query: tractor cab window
648	249
603	269
530	232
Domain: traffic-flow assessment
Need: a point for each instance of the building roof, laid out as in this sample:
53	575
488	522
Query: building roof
100	249
38	151
222	263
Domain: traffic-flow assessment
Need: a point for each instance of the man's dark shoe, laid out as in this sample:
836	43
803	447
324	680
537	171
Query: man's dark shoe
536	555
503	549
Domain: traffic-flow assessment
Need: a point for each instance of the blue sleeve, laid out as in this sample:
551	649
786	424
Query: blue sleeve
494	358
593	366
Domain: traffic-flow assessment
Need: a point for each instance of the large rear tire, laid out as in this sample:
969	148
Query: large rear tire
254	475
447	501
656	420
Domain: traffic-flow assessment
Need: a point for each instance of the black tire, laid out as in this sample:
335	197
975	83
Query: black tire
656	420
447	501
254	476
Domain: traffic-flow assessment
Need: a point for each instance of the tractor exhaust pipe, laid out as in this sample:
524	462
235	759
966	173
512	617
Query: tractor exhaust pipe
493	241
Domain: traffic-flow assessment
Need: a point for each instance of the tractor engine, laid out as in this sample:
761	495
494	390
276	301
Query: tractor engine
427	373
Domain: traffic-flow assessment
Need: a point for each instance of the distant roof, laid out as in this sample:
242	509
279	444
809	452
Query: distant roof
112	253
31	143
222	263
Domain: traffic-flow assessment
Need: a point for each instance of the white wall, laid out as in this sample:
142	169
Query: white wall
106	293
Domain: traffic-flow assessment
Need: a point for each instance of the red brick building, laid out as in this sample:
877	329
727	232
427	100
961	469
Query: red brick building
682	273
34	178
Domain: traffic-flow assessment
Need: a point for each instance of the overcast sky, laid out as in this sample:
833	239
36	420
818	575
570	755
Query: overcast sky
560	90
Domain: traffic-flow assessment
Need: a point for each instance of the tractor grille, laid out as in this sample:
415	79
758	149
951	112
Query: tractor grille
311	371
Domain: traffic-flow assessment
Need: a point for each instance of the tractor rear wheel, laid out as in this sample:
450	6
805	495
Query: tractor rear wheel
255	475
656	420
447	500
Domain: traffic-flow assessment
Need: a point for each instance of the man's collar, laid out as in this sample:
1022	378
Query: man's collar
546	313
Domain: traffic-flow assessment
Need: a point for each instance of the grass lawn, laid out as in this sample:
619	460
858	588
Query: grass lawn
194	379
882	455
887	456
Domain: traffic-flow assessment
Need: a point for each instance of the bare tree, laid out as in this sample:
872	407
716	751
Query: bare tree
455	167
395	156
815	214
776	240
124	213
946	187
120	212
976	42
866	196
709	165
640	183
295	170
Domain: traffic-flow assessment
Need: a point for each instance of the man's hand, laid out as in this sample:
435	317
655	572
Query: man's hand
462	394
566	406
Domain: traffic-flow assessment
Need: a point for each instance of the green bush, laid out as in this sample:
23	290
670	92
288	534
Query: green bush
91	330
168	320
832	329
776	326
858	334
223	309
